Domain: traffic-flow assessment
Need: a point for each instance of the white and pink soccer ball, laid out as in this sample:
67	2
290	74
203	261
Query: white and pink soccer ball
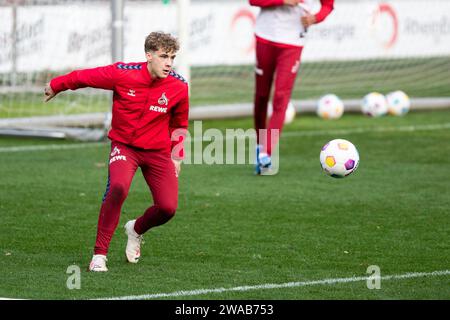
374	104
398	103
339	158
330	106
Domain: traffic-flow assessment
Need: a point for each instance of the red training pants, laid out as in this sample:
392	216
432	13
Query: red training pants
284	61
159	173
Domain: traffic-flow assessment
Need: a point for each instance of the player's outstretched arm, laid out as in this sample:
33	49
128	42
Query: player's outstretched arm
48	92
100	77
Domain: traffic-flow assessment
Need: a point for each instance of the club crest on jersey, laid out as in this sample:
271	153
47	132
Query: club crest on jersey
163	100
115	155
132	93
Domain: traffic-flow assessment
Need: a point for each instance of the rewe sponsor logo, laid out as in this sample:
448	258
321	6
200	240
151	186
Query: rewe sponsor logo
116	158
158	109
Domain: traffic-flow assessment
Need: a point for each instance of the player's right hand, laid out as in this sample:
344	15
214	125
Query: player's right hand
291	2
48	92
307	20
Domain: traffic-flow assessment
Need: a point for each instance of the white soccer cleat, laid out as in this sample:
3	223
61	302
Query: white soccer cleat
133	250
98	263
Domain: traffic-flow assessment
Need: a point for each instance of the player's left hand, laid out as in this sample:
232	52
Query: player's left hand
177	164
308	20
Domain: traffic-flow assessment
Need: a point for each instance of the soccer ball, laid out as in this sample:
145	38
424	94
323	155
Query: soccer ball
330	106
290	112
339	158
398	103
374	104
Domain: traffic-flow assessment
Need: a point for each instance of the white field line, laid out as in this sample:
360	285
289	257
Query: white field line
279	285
422	127
289	134
274	286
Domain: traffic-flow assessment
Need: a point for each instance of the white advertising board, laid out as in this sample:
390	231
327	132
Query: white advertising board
75	36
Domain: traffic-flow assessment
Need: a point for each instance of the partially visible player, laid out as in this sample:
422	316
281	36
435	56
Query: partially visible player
150	104
281	29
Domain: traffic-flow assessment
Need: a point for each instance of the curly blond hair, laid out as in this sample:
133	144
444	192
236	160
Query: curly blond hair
160	40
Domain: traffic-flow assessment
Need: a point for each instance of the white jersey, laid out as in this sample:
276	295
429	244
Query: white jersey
281	24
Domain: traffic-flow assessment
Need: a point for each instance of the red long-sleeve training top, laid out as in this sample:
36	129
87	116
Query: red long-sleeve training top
145	110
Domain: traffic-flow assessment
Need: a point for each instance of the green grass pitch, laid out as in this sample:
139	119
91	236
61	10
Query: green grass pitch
235	229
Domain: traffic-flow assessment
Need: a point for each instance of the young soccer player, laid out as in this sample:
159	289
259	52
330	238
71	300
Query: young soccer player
150	103
281	28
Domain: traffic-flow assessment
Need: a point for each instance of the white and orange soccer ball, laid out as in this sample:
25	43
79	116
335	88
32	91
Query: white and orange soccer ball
374	104
339	158
330	106
398	103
